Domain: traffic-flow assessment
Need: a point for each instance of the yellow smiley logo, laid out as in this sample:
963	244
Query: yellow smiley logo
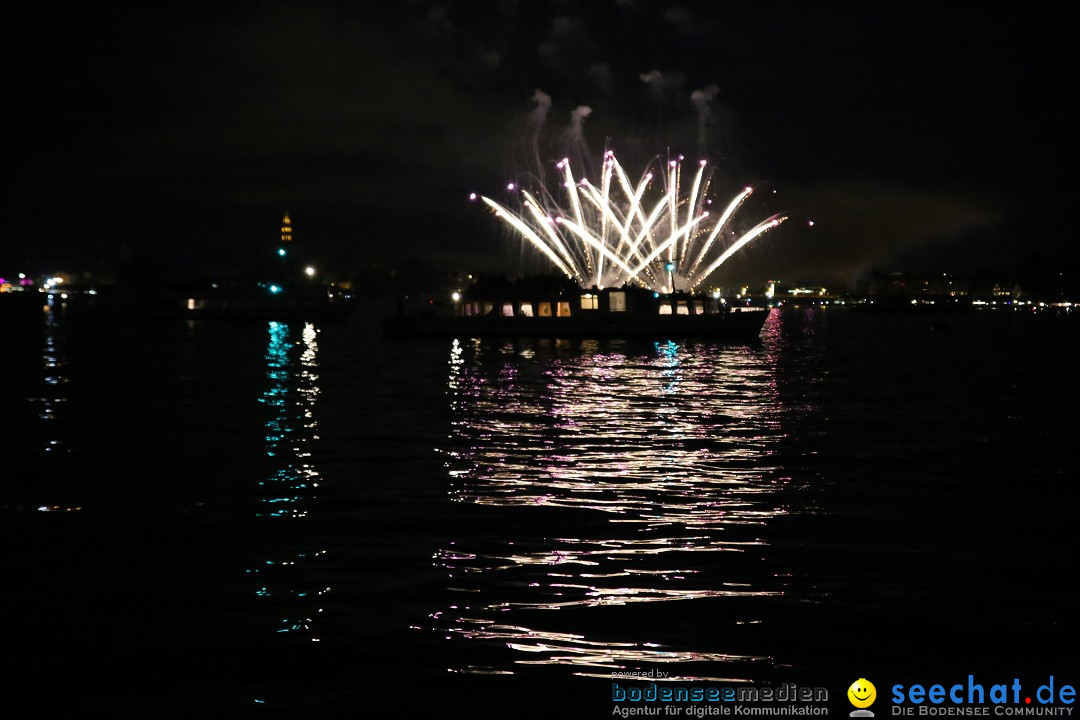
862	693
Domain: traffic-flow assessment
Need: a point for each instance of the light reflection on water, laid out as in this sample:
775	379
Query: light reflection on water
53	365
53	391
288	492
612	475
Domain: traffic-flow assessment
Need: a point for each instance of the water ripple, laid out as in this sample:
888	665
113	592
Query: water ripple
608	476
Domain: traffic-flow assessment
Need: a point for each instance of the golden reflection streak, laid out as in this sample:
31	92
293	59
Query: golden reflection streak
574	649
674	444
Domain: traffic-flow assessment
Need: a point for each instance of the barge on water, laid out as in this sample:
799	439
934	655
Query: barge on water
625	312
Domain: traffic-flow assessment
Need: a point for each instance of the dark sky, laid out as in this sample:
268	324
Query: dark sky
913	134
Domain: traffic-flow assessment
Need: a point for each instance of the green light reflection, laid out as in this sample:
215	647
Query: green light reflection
287	491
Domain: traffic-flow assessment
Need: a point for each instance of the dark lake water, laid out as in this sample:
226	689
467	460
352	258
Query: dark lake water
299	519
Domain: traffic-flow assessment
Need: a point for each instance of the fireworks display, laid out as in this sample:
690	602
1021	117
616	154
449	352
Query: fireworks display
653	233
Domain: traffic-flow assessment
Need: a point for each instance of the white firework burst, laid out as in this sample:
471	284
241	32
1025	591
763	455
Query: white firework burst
651	233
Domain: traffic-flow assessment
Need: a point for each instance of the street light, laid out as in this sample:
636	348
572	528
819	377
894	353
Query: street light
310	271
670	267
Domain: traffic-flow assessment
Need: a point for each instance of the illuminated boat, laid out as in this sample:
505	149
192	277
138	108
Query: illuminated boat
610	313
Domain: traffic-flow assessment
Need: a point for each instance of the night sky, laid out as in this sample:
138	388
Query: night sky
914	135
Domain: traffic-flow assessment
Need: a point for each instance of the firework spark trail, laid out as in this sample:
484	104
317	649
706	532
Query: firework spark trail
720	225
690	208
605	192
546	222
760	228
525	230
612	234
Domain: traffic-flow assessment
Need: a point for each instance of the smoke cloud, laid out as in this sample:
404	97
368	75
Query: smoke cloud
534	125
577	148
702	101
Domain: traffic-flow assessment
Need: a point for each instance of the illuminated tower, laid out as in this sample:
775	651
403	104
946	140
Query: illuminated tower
286	230
286	236
284	261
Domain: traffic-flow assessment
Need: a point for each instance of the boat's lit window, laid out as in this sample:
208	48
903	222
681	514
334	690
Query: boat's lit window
682	308
617	301
699	307
564	309
544	309
525	309
508	309
665	308
589	301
